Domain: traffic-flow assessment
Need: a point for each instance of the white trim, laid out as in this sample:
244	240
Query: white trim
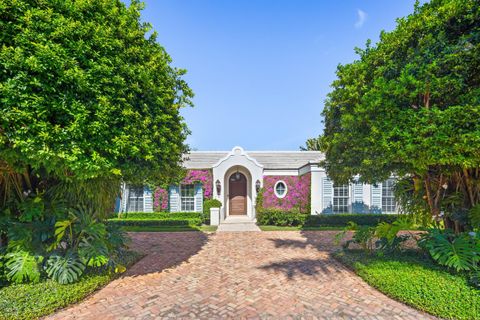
280	173
237	151
280	196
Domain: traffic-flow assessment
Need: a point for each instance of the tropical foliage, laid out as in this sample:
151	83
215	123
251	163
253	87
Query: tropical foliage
79	241
312	144
410	105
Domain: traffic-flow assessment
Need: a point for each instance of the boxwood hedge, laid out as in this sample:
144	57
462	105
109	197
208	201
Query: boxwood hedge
160	215
283	218
156	222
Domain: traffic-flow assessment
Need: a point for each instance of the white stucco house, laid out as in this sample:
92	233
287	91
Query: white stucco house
285	180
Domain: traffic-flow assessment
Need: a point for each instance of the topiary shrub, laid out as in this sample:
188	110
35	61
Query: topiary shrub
207	204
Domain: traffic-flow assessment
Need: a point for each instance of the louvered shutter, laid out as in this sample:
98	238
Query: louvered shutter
327	196
376	206
174	198
198	198
147	200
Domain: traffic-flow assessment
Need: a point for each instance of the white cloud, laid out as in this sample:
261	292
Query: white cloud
362	17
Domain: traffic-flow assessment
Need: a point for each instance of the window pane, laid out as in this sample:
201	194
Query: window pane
187	197
280	188
135	199
388	197
340	199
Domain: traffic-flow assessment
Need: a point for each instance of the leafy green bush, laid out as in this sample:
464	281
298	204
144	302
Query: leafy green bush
155	222
161	215
384	237
280	218
341	220
460	252
61	250
207	204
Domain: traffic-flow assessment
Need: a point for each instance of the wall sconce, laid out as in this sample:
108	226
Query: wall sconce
218	186
257	185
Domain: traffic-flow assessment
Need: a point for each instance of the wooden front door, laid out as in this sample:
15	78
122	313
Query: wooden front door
237	194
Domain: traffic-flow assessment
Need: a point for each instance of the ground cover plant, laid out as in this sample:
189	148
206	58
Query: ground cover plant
415	279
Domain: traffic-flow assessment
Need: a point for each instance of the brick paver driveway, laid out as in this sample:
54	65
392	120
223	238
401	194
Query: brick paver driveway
238	275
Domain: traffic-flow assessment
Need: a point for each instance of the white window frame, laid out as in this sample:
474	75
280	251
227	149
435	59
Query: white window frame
187	202
388	197
135	200
280	196
344	198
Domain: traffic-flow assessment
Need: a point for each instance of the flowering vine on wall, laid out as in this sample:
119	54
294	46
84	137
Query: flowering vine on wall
160	196
297	197
201	176
160	199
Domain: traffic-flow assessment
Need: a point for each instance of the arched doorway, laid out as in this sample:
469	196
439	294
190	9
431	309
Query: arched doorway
237	198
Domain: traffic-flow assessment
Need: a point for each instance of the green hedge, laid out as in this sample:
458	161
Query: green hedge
207	204
282	218
161	215
341	220
156	222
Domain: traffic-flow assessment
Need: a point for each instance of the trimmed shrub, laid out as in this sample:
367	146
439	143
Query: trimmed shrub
207	204
156	222
341	220
161	215
280	218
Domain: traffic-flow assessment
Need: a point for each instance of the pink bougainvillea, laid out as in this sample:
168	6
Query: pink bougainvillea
160	199
200	176
297	197
160	196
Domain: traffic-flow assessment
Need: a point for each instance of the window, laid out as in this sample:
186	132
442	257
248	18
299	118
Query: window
135	199
187	197
280	189
340	199
388	197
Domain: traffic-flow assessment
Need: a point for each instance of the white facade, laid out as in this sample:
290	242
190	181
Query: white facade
250	168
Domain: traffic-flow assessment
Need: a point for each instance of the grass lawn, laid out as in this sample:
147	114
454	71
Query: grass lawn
280	228
417	281
32	301
205	228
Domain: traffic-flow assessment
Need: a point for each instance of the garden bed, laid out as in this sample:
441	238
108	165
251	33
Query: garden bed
414	279
35	300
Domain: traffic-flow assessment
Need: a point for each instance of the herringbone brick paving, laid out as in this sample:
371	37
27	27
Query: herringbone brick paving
266	275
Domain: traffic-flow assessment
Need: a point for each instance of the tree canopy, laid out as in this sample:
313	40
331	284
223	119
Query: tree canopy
410	104
86	91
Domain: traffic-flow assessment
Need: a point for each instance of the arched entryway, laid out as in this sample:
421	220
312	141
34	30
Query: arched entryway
237	197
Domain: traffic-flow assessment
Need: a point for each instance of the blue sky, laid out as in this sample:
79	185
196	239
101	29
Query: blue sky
261	69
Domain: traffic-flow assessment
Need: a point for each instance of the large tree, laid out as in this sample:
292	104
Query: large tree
410	105
86	92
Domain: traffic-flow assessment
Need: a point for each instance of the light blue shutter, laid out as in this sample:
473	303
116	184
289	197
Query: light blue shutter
358	192
376	198
147	200
174	198
327	197
198	197
125	193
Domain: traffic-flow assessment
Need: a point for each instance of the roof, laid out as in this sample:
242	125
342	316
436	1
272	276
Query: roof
269	159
